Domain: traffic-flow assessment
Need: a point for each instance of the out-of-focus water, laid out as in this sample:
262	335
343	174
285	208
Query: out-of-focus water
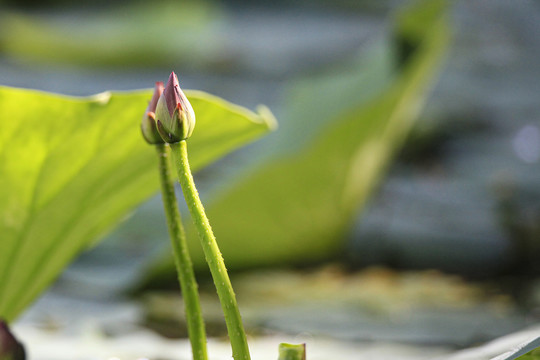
448	212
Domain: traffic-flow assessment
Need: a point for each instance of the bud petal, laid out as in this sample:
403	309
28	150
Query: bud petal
10	348
174	114
148	124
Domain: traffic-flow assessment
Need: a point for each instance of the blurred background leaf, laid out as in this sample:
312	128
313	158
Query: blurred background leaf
123	36
527	351
72	168
339	133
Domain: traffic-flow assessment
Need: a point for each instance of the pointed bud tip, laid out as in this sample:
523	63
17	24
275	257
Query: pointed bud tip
172	93
173	79
175	118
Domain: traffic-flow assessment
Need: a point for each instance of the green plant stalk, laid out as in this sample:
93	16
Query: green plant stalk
292	352
212	254
184	267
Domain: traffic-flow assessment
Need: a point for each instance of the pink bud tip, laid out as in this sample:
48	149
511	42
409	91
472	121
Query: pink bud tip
172	94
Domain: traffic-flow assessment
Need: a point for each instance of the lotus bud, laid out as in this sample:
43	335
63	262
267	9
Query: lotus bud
174	114
148	124
10	348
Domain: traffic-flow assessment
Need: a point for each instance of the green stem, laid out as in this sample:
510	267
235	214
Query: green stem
212	254
184	267
292	352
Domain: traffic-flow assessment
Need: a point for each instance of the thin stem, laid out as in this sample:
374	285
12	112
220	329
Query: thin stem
212	254
184	267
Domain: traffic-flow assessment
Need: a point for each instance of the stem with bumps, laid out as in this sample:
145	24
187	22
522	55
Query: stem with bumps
184	267
212	254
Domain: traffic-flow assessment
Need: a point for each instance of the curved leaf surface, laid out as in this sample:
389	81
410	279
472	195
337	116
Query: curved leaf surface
72	168
529	350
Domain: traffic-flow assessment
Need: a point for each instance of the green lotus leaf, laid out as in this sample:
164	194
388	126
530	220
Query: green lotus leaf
72	168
